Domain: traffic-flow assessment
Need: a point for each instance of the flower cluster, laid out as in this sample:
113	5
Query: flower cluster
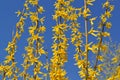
87	71
59	47
9	69
67	19
35	49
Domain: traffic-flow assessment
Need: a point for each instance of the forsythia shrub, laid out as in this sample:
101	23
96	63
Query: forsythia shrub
67	18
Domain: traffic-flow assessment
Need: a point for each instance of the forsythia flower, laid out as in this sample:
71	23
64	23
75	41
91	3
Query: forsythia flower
92	19
90	2
33	2
108	25
18	13
86	13
41	51
105	34
42	29
33	17
114	60
41	10
106	4
80	63
32	30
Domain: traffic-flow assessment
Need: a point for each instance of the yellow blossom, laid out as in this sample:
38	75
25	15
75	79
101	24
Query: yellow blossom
108	25
42	51
114	60
18	13
94	48
34	17
33	2
42	20
86	12
105	34
104	48
92	19
35	37
80	63
106	4
42	29
103	18
108	14
89	2
32	30
100	58
9	73
92	32
111	8
41	10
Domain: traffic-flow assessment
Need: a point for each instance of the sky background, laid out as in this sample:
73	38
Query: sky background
8	21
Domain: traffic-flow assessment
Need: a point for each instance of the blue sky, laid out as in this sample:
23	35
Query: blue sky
8	21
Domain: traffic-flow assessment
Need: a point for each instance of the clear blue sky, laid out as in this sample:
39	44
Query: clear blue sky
8	20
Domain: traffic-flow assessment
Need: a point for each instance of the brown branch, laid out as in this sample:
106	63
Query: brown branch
37	46
99	46
86	36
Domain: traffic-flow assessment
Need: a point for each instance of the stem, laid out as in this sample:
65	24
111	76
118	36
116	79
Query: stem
80	52
37	46
98	53
100	42
3	78
47	61
86	31
86	35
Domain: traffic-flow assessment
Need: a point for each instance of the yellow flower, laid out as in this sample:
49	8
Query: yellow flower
55	17
41	51
42	29
33	17
18	13
41	10
35	37
76	56
103	18
104	48
100	58
26	6
114	60
108	25
56	29
33	2
46	66
94	48
92	32
1	68
9	73
32	30
33	60
42	20
9	58
111	8
92	19
82	73
86	13
106	4
99	67
73	17
108	14
105	34
80	63
89	2
29	49
92	72
17	35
